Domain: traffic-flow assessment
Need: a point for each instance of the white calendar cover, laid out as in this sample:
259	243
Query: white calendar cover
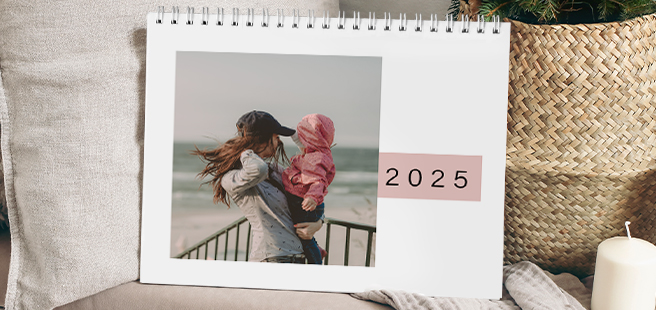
419	114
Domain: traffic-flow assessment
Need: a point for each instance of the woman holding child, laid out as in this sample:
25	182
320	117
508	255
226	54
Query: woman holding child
240	171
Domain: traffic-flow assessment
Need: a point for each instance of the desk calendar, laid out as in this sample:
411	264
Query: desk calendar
419	110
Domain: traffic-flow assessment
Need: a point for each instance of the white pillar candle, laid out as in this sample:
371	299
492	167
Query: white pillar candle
625	275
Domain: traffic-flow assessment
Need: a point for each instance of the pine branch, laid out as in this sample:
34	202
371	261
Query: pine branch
635	8
605	8
454	8
567	11
498	7
548	11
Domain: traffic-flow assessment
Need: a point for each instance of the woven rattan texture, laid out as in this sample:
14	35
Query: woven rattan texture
581	143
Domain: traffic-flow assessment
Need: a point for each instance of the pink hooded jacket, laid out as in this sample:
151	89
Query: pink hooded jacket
311	172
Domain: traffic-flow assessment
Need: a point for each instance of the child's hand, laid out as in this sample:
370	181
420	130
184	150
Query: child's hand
309	204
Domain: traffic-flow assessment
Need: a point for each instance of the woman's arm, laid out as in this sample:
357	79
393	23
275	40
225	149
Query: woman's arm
253	171
307	230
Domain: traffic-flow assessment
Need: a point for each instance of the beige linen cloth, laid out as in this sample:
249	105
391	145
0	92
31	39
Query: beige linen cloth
72	128
526	287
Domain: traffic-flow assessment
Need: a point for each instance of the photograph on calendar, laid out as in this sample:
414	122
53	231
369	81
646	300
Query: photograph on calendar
275	158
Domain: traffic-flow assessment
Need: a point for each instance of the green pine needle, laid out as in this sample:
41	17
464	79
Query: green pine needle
564	11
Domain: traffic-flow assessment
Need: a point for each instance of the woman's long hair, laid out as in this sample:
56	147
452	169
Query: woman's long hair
227	157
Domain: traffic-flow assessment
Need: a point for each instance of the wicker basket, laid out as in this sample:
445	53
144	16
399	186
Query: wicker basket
581	147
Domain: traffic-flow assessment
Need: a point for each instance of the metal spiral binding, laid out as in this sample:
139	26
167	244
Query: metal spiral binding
250	18
281	18
325	24
388	22
341	20
370	27
295	19
265	17
235	14
310	23
160	15
433	27
356	21
175	14
465	23
403	22
497	24
205	19
190	16
219	13
449	23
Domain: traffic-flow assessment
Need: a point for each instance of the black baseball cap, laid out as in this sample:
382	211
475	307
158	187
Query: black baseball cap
260	123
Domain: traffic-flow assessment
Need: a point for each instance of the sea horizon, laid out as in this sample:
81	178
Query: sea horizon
355	182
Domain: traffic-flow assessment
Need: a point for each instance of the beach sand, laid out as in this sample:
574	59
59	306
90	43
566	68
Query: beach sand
191	226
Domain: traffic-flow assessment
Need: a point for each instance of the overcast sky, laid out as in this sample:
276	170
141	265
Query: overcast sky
214	89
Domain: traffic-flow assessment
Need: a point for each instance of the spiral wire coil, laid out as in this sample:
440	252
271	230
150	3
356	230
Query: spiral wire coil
325	24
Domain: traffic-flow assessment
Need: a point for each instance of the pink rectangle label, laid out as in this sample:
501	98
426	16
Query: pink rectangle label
430	176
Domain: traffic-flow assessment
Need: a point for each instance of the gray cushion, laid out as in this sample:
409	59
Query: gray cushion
164	297
4	218
72	130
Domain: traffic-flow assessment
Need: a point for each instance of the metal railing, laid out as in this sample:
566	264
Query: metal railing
194	252
215	237
371	230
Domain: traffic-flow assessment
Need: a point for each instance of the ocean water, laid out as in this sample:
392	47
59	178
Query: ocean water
354	186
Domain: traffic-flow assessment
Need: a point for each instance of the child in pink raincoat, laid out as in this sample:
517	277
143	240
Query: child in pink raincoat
309	174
